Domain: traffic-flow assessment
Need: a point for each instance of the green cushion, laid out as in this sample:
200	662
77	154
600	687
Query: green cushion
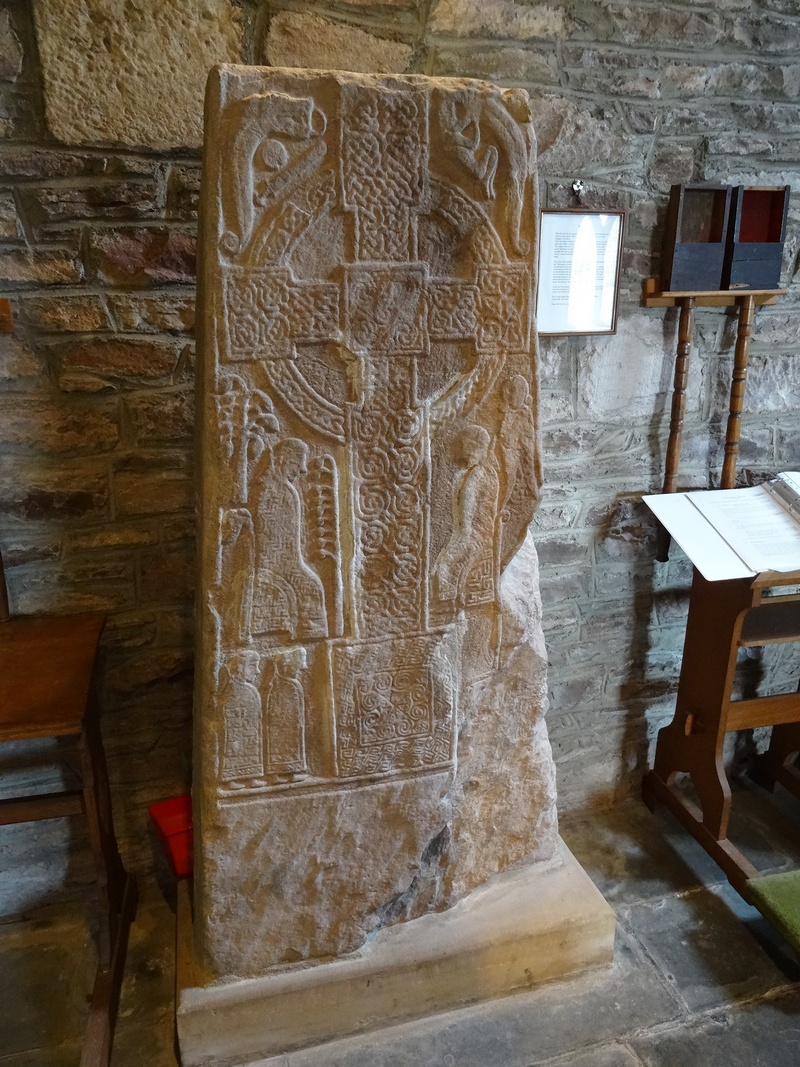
777	897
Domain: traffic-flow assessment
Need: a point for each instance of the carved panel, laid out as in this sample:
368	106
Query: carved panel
453	311
268	313
386	311
383	160
394	705
504	308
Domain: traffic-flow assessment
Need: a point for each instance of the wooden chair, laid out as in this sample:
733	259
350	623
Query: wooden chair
47	690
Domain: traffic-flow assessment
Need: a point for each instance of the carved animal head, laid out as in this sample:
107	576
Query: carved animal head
255	131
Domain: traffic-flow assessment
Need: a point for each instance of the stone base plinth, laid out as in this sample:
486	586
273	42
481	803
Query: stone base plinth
526	926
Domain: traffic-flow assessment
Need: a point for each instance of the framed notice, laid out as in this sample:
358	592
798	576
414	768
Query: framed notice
579	260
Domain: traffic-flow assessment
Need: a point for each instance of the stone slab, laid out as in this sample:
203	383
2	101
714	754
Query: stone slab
110	67
764	1032
370	743
717	959
552	1024
526	926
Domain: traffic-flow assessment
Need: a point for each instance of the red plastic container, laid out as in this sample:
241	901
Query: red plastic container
173	822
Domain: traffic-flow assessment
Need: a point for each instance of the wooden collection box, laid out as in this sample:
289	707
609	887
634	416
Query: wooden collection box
694	239
756	235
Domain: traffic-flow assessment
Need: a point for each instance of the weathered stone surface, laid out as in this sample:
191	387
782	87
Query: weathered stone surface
132	73
183	192
20	366
11	54
151	491
607	70
497	64
54	428
162	313
161	417
525	926
56	266
634	25
10	228
39	491
296	40
119	359
65	314
674	164
144	256
371	695
569	138
49	209
629	375
499	18
118	536
773	383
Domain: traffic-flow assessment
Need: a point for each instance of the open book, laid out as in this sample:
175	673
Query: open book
736	533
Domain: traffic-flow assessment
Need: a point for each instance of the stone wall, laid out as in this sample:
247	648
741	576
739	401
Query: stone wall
100	112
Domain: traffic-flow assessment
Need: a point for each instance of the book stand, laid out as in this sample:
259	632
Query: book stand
746	301
725	616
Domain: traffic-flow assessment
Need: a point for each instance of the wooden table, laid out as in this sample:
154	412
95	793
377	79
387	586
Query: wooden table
746	300
725	616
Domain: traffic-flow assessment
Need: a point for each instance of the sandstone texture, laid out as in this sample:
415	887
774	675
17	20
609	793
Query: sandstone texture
132	72
310	41
370	735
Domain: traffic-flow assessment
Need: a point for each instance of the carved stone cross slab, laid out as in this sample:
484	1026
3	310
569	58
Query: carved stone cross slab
369	467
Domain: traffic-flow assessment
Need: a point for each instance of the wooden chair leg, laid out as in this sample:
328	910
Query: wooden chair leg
777	763
116	892
693	741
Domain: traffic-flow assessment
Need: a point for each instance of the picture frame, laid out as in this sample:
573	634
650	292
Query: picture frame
580	254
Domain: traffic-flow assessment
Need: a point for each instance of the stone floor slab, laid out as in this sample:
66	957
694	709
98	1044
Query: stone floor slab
633	854
614	1055
766	1034
702	947
46	970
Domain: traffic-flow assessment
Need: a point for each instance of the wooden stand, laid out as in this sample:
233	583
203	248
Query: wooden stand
724	617
746	301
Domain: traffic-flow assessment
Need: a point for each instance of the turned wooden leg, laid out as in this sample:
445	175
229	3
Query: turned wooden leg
677	412
740	361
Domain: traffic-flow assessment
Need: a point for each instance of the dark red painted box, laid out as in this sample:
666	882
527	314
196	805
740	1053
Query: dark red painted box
173	822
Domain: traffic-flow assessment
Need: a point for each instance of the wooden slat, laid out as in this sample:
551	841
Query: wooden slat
763	711
737	867
43	806
653	297
46	665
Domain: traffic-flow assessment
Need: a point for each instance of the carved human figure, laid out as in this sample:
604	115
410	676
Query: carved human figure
517	440
242	760
233	603
463	571
288	595
284	718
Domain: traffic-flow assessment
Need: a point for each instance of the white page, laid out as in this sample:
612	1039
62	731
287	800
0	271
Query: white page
577	272
755	525
707	549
